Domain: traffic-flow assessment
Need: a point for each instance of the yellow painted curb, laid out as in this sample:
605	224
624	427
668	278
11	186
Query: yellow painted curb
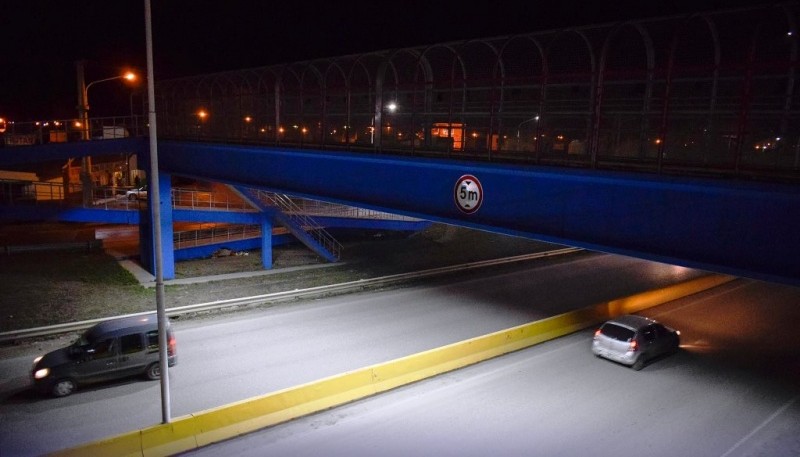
228	421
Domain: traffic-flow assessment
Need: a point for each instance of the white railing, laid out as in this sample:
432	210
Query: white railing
215	235
111	197
318	208
287	205
206	200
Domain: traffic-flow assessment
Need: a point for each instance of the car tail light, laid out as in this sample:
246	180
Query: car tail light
171	344
597	333
634	346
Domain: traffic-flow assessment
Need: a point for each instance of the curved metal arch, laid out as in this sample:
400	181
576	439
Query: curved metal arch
282	71
750	67
428	68
529	37
334	65
227	83
497	84
248	76
531	42
206	82
790	21
712	31
790	83
488	44
717	56
311	69
287	69
650	67
359	64
386	64
266	77
344	67
391	63
554	39
425	69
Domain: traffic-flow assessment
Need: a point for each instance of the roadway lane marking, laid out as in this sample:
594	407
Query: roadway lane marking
715	293
762	425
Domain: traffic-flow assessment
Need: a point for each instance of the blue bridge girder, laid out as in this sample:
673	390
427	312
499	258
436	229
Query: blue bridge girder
738	227
741	228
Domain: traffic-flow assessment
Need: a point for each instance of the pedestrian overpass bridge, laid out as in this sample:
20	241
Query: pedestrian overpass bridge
744	228
672	139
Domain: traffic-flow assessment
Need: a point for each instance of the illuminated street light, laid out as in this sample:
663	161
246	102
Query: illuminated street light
536	119
83	119
83	94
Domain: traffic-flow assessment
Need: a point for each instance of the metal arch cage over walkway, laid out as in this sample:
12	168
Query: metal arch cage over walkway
710	92
708	95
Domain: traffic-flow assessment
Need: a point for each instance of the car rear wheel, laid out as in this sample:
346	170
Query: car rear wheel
132	197
639	363
153	371
63	387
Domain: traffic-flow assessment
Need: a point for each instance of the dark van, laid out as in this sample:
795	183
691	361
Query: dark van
112	349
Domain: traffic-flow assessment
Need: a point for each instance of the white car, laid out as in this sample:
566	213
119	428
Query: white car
137	194
633	340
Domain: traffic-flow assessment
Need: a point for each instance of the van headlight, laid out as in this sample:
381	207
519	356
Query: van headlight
41	373
37	359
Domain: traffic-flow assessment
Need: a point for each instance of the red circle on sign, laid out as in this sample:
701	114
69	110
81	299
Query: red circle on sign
468	194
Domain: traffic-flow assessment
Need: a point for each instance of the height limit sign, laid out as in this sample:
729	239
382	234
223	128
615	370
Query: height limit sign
468	194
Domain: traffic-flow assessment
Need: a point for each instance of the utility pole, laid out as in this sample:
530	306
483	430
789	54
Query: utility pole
87	183
155	207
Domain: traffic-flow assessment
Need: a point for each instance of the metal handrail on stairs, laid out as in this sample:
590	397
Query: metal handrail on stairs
294	212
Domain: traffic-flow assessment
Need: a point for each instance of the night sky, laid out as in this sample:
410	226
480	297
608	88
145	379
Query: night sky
43	39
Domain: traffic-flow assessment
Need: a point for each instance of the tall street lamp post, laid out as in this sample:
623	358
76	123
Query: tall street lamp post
83	118
536	137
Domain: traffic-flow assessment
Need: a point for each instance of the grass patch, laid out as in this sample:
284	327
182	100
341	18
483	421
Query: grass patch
44	288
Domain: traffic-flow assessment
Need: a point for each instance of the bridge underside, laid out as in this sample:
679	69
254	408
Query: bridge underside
741	228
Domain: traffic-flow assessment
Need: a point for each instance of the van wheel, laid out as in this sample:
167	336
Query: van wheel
63	387
153	371
639	363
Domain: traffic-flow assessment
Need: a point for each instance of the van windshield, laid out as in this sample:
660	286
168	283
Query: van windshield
88	337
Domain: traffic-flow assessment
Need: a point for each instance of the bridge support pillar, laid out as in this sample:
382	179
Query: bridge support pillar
147	245
266	242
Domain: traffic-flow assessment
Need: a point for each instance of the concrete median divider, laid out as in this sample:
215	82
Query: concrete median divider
217	424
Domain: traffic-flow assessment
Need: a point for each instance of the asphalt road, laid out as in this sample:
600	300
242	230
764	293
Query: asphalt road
731	391
232	357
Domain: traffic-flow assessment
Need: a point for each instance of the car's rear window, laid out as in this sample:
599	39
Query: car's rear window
615	331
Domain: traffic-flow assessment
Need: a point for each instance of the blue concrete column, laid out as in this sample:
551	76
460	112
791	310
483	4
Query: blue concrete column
266	242
167	245
147	245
